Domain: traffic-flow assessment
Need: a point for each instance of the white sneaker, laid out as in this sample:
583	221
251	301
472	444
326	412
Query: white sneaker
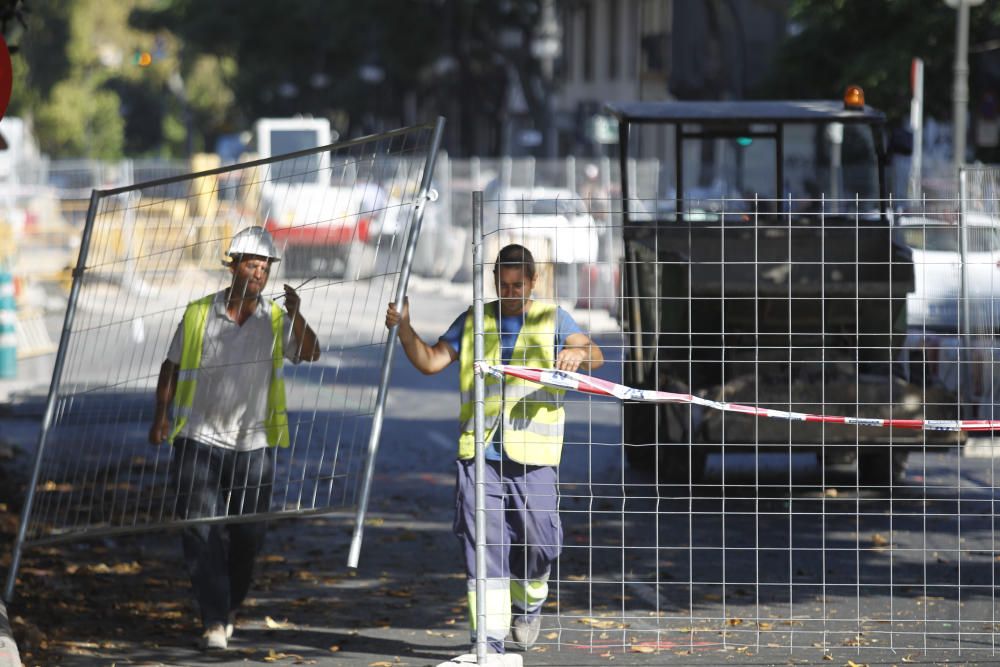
9	657
492	660
525	630
214	638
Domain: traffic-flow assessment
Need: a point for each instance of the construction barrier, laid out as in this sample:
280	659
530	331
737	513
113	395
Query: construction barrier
150	249
8	326
776	455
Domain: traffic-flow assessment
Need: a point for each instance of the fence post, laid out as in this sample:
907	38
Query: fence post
480	419
383	388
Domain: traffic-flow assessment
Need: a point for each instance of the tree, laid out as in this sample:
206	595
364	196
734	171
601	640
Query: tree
835	43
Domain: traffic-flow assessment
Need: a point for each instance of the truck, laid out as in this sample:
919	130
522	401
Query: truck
317	207
762	266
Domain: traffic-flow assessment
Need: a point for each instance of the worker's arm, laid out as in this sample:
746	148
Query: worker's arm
308	343
165	388
579	353
428	359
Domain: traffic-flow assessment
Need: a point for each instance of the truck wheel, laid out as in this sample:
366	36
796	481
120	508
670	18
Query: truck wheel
682	464
882	468
638	422
641	457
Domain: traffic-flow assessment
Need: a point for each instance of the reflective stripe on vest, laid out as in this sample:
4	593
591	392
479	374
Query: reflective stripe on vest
194	323
533	417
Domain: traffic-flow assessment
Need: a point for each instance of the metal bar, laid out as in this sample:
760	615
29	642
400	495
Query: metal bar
174	524
404	278
50	403
479	417
265	161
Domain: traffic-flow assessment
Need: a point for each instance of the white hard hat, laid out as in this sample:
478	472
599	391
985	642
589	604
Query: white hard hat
254	241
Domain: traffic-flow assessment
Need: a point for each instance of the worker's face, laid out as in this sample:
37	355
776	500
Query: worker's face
250	276
514	289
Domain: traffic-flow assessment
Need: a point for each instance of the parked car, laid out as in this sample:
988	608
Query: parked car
935	304
555	225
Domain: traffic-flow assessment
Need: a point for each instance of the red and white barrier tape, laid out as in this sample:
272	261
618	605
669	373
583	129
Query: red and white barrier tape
591	385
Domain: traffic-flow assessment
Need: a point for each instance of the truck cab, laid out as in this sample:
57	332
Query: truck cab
761	266
316	206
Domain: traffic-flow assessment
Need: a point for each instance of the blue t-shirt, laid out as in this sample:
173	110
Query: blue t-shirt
510	327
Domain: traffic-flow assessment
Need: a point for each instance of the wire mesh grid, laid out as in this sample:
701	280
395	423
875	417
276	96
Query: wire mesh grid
340	217
713	531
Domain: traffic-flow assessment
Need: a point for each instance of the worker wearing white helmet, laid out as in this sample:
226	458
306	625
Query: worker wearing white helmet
223	378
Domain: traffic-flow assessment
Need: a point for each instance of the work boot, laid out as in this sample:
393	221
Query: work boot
525	629
492	660
214	638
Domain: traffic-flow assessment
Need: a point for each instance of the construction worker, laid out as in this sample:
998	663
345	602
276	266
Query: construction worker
524	433
223	378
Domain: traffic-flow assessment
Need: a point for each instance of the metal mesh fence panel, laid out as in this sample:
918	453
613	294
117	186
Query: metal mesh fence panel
791	448
341	216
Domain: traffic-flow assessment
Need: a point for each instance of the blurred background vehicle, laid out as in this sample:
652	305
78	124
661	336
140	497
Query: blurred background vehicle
556	225
775	296
309	189
934	304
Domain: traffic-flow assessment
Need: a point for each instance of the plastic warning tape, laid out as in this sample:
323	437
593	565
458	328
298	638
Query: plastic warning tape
590	385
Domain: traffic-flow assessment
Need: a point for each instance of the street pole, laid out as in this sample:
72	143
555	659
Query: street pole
960	95
546	47
914	191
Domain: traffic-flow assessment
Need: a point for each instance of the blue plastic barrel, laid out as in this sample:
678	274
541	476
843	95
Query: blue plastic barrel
8	330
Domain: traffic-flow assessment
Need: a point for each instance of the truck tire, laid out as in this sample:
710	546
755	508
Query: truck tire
639	431
682	464
881	468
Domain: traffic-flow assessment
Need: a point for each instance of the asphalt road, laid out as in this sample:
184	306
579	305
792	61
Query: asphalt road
771	561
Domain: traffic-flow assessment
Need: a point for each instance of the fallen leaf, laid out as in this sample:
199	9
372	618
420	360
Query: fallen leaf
380	663
909	658
851	663
335	648
642	649
276	625
830	493
764	625
734	621
595	623
275	656
827	656
552	635
879	540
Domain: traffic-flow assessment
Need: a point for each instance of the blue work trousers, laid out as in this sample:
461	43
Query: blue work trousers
523	531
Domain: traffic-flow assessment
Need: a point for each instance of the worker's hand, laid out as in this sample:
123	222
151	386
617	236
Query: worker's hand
160	430
570	358
394	317
292	301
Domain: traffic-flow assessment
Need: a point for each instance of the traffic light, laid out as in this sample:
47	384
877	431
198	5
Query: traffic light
143	58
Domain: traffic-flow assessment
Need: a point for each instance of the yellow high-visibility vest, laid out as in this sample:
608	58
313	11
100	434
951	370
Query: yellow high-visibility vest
532	415
195	321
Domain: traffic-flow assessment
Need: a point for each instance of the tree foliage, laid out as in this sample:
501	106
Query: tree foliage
835	43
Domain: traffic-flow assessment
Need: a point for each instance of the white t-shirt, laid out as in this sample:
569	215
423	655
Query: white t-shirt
230	399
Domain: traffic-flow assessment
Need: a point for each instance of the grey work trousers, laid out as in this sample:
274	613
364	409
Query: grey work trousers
213	481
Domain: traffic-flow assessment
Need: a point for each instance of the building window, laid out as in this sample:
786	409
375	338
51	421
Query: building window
632	38
566	64
614	39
